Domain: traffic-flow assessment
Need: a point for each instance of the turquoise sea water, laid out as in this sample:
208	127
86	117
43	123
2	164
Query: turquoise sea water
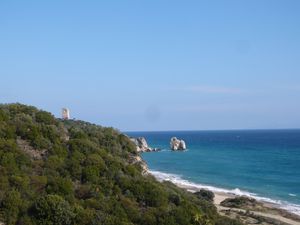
261	163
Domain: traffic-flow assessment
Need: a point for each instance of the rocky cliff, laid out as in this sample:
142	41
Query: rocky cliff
142	145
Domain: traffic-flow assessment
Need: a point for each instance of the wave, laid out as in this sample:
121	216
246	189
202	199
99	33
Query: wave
193	187
165	150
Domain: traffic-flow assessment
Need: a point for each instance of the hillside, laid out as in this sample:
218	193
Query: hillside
74	172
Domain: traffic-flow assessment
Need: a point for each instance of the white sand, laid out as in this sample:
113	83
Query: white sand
219	197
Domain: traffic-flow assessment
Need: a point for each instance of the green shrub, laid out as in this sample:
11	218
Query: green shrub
11	206
206	195
53	210
239	202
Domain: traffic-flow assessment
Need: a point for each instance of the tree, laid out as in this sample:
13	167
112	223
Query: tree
53	210
11	206
45	117
206	195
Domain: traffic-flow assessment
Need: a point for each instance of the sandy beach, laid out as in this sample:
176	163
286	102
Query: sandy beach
267	212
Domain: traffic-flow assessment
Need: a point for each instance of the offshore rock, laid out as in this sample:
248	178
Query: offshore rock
177	144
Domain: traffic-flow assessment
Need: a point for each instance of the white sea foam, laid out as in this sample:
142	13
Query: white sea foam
165	150
190	186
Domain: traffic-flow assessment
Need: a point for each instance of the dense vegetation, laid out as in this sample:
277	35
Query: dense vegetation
205	194
239	202
72	172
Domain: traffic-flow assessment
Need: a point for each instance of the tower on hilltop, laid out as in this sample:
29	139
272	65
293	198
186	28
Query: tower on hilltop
65	113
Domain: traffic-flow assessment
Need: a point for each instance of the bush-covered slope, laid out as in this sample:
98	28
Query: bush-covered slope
73	172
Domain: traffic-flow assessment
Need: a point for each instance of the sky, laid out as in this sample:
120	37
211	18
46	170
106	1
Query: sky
155	65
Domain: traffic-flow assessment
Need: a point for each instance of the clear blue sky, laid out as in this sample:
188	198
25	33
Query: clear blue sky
155	65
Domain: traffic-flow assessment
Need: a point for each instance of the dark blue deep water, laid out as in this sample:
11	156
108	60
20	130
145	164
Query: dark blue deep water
262	163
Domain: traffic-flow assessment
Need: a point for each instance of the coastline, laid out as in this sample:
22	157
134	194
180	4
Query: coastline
268	210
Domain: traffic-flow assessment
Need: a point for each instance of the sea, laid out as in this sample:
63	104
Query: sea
263	164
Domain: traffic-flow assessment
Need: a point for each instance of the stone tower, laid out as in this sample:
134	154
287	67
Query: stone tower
65	114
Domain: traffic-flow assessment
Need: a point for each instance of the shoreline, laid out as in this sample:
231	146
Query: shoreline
269	210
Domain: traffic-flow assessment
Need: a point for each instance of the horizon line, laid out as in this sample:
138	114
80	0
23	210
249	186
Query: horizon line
233	129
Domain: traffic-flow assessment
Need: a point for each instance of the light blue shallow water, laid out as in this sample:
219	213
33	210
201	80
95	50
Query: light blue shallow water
265	163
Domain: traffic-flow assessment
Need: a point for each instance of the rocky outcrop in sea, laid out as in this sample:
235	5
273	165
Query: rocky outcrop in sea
177	144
